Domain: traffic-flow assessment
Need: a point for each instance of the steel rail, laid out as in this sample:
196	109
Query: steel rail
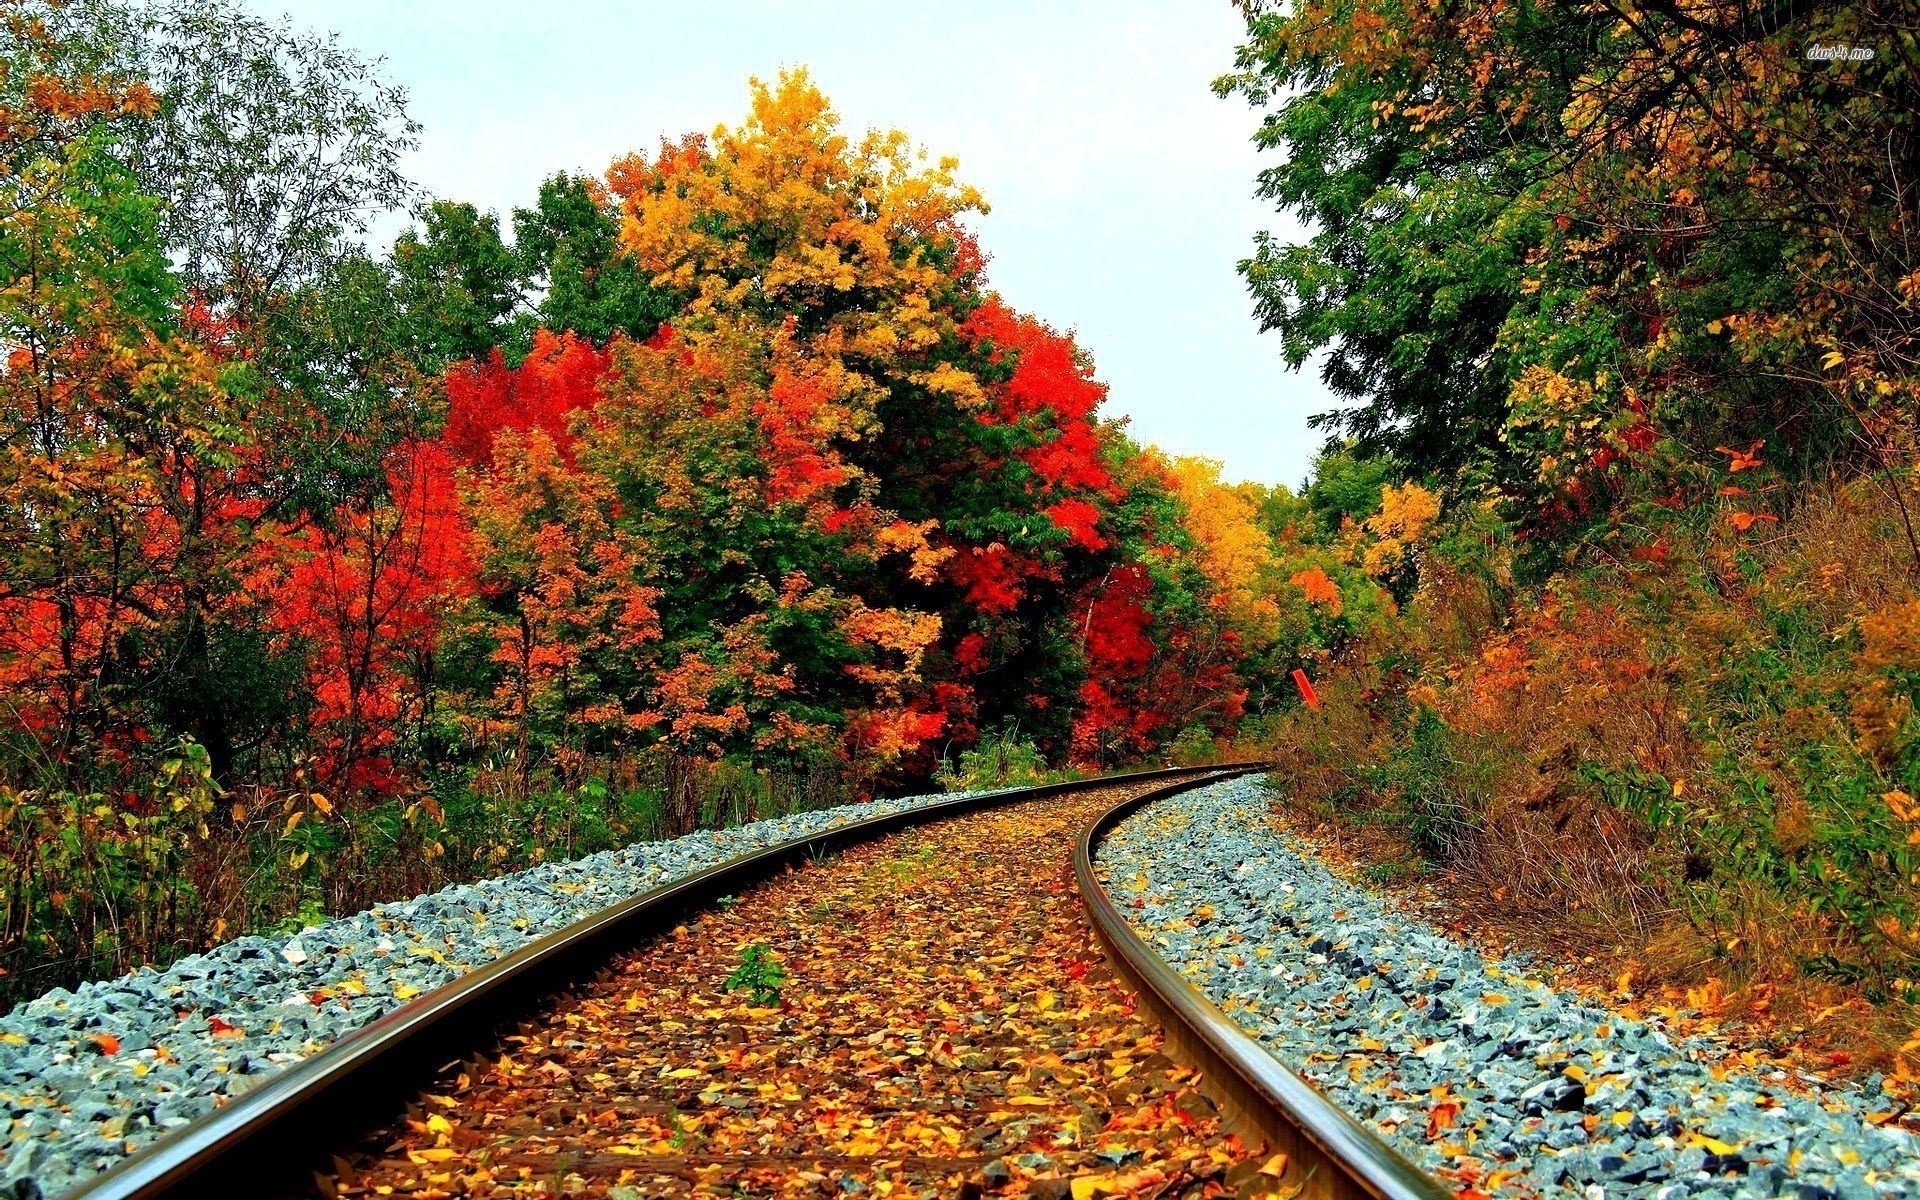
1330	1156
268	1141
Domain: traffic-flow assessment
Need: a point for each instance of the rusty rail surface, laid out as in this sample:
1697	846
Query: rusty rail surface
1330	1156
269	1140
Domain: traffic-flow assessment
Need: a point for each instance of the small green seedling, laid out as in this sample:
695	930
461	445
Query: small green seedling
759	971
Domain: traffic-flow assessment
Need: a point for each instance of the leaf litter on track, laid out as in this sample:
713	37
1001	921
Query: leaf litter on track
940	1023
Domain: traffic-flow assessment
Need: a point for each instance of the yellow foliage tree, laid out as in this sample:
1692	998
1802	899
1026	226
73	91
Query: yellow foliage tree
1407	512
1234	551
785	215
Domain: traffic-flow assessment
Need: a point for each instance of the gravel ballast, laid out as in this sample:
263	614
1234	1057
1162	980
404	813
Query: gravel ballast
1473	1068
215	1024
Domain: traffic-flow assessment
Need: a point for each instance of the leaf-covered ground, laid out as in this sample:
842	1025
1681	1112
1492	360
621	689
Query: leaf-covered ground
945	1027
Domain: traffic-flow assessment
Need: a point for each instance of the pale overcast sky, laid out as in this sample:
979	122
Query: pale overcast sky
1121	186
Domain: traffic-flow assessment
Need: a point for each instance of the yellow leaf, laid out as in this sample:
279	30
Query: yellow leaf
322	803
403	991
438	1154
1088	1186
439	1124
1712	1145
1275	1166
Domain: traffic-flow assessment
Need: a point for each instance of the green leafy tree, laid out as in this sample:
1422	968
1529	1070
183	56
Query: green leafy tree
1557	247
1346	485
457	282
273	149
1421	218
568	244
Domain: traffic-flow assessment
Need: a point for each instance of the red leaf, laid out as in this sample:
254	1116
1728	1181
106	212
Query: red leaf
1742	460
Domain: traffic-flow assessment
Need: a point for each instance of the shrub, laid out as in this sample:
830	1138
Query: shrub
1433	789
1194	746
1695	744
1001	760
96	884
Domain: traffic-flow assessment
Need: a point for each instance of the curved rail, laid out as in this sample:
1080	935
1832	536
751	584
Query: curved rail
263	1143
1330	1156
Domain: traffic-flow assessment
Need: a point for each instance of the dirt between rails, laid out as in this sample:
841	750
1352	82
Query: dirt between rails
946	1027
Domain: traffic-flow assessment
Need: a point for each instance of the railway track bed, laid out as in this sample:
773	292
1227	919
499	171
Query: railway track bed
945	1027
937	999
199	1035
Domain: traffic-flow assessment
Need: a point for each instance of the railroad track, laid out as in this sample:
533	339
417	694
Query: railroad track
1330	1155
626	1066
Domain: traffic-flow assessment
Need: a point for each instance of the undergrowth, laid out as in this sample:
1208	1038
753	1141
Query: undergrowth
93	885
1692	752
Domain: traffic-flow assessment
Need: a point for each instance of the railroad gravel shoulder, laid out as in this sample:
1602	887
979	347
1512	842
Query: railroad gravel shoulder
90	1075
1475	1069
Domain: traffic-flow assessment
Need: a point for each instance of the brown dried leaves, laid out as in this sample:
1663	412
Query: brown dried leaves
947	1029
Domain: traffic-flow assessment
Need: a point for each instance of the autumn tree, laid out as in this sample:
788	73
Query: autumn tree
815	270
565	599
104	396
256	155
1566	246
363	597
